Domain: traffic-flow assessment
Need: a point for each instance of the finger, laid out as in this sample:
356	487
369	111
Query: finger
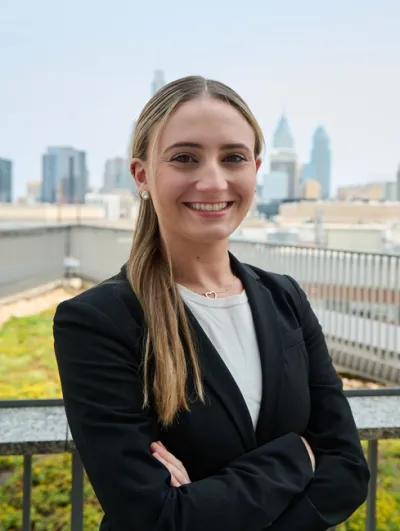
174	481
173	470
163	452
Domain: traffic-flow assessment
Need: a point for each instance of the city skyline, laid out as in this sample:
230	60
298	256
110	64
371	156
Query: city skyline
317	62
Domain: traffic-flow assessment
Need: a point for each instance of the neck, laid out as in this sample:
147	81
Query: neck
206	266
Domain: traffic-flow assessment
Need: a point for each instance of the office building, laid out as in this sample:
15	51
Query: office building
320	162
64	175
373	191
283	158
275	186
285	161
6	181
311	189
282	136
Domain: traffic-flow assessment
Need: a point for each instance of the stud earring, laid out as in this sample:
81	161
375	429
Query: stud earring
144	195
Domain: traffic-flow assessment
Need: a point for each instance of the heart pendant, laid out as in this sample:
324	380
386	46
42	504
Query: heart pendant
211	294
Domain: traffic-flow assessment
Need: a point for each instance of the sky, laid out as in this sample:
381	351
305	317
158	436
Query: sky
78	73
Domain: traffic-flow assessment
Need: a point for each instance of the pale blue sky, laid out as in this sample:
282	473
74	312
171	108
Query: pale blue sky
78	72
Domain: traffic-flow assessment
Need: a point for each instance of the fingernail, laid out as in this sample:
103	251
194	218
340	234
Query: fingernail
161	444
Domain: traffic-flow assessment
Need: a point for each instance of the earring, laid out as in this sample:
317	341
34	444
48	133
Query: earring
144	195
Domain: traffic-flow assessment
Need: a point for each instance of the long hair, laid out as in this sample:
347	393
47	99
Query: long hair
149	269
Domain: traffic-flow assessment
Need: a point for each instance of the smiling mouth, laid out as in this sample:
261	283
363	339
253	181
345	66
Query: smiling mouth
210	207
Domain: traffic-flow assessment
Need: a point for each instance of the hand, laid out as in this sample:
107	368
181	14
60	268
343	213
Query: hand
310	453
179	476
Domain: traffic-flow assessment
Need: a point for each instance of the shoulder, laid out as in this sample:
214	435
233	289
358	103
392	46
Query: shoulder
111	301
283	288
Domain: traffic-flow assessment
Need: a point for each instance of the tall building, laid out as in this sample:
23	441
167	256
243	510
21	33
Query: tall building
116	175
6	181
275	186
158	81
307	172
283	137
283	157
321	161
64	175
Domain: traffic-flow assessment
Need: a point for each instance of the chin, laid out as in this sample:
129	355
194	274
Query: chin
210	236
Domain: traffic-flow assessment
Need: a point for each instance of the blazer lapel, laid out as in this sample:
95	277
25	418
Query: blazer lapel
268	332
218	377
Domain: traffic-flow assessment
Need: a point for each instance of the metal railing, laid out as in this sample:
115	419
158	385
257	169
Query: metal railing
355	295
50	434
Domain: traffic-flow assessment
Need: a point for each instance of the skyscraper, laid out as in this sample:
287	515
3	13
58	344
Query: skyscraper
6	179
321	161
275	186
158	81
64	175
283	158
283	137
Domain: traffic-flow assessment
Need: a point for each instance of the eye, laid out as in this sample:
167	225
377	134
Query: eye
183	157
235	157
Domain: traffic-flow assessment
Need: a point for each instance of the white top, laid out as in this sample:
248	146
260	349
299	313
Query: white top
228	323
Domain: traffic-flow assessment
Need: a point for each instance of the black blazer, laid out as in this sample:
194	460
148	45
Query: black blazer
242	479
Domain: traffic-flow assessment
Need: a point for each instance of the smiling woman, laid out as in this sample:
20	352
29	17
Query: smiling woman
199	390
201	172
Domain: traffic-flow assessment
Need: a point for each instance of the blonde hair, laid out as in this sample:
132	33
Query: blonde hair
149	271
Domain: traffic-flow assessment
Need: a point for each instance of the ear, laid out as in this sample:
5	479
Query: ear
258	163
139	173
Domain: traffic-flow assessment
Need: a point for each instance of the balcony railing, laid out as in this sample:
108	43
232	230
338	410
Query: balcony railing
29	427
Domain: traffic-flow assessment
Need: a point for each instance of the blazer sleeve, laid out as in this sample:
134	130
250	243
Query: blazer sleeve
340	482
100	378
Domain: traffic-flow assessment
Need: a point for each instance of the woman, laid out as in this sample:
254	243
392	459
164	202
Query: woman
199	390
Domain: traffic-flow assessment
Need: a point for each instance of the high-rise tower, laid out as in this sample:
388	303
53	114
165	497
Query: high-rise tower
321	160
283	159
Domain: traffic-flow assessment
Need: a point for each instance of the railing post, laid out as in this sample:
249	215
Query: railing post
26	493
371	500
77	493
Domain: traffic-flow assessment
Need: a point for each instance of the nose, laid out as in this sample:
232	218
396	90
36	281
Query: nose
212	179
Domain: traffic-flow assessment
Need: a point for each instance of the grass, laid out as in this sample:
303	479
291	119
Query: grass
28	369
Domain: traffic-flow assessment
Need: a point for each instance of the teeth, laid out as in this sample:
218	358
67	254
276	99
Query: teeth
208	206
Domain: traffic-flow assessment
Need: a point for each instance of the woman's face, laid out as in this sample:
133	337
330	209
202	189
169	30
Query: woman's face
201	174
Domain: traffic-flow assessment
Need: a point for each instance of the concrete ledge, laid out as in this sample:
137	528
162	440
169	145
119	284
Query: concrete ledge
31	293
377	417
44	430
32	430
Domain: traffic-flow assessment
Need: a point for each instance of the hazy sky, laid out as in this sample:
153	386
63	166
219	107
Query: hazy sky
78	72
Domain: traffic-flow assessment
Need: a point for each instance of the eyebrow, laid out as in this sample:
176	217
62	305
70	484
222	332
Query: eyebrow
195	145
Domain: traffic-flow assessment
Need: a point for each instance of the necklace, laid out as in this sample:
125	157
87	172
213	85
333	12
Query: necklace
212	294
